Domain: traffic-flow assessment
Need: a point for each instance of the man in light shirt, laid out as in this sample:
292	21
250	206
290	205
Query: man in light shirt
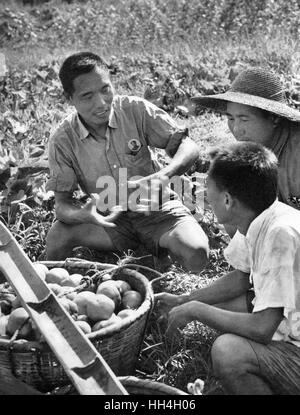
102	147
256	307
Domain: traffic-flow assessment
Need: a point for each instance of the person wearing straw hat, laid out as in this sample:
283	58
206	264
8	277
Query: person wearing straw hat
258	349
257	111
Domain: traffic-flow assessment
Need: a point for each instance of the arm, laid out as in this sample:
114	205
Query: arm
259	326
67	212
231	285
225	288
161	131
182	159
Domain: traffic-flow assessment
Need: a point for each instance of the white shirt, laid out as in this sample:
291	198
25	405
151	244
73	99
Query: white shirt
270	252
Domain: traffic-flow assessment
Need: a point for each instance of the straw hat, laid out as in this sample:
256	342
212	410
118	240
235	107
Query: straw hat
256	87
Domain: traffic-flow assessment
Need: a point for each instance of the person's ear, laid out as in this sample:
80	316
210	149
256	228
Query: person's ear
66	95
228	200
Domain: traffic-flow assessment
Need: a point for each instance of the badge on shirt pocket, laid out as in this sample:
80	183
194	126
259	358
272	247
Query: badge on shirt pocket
134	146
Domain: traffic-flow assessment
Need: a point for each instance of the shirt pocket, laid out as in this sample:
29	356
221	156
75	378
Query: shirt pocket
138	163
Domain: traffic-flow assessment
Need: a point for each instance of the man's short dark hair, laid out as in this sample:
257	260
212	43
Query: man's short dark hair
248	171
78	64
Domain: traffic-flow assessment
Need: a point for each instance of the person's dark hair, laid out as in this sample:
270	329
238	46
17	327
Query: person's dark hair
78	64
248	171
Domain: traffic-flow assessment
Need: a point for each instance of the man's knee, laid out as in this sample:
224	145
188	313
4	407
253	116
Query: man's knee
58	233
196	258
228	355
58	239
188	244
195	251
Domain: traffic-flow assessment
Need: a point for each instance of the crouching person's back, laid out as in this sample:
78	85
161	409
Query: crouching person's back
256	306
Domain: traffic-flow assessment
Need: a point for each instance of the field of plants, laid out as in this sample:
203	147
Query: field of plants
164	50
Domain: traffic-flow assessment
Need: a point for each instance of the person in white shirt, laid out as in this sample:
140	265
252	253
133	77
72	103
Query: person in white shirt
256	307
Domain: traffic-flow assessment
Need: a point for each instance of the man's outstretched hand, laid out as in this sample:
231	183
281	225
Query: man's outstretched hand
96	218
153	192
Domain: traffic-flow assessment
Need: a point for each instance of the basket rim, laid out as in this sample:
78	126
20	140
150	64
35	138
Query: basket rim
155	386
32	346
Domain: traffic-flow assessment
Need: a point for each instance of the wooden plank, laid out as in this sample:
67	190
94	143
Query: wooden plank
81	361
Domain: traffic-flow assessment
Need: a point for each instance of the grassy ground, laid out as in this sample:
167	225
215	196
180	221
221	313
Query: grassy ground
174	49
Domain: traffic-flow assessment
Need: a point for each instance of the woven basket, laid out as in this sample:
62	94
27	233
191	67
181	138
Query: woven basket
119	344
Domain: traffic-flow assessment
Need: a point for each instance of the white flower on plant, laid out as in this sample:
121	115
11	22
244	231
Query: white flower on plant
196	388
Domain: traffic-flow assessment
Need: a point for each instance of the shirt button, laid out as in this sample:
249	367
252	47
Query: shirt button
115	166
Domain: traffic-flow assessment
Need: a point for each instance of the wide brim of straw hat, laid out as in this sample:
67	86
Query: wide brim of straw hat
218	103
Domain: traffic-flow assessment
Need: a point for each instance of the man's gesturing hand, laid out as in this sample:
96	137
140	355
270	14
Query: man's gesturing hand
152	193
166	301
174	314
179	317
96	218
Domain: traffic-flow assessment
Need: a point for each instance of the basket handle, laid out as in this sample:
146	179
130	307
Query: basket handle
161	277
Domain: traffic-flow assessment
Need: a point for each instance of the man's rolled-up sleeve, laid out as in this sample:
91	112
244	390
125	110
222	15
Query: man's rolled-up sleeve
62	176
161	130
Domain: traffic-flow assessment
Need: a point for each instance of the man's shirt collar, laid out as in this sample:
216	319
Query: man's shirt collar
84	132
257	223
81	129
